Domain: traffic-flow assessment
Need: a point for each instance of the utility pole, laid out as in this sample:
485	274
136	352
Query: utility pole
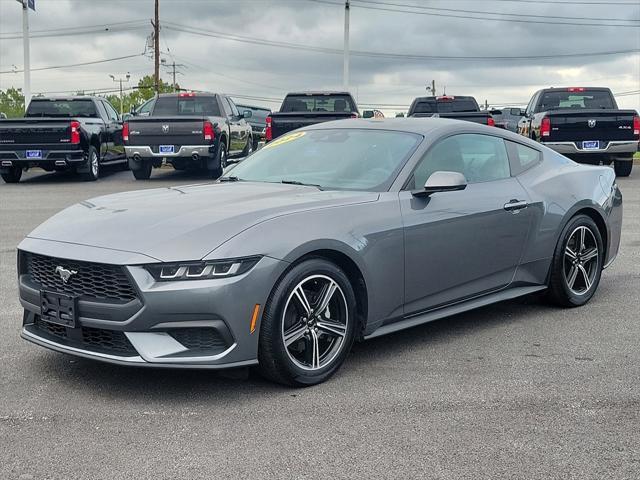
120	80
173	67
432	88
156	46
26	87
345	72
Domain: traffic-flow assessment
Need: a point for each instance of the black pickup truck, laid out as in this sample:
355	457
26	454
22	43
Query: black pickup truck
307	108
258	122
584	124
187	130
71	133
448	106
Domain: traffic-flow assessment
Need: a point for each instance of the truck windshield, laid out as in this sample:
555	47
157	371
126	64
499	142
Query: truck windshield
61	108
200	106
576	100
446	106
334	159
318	103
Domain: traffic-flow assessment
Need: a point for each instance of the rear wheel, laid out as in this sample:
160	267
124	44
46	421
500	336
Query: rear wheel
12	175
623	167
248	148
93	166
308	324
144	172
577	263
221	164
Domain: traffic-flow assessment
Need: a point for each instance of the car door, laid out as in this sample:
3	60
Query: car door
234	127
114	133
464	243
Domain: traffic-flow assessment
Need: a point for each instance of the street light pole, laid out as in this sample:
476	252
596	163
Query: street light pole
120	80
345	72
26	87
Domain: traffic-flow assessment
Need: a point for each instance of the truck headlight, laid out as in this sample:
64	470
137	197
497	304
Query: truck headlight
203	270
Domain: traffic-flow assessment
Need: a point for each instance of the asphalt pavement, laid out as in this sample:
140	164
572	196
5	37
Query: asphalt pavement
518	390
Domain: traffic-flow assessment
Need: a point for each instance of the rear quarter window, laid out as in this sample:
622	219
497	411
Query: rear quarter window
521	157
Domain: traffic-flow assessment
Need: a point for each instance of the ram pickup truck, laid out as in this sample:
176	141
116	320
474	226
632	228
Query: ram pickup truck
584	124
187	130
448	106
307	108
80	134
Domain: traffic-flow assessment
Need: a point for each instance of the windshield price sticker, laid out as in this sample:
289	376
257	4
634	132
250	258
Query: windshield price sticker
286	139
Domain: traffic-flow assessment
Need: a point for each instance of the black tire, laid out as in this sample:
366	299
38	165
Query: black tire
221	161
276	361
571	256
144	172
12	175
248	148
256	143
93	165
623	168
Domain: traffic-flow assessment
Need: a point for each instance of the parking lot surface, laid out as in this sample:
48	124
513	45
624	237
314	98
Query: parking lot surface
515	390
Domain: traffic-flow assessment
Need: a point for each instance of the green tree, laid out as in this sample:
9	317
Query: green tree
141	93
12	102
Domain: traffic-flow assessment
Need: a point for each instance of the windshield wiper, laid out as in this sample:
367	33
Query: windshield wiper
296	182
229	179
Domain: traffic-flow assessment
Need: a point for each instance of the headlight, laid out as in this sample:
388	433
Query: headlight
164	272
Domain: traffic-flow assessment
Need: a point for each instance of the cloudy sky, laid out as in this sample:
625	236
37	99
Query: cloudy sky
263	48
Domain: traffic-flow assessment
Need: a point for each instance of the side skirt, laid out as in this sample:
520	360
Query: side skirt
450	310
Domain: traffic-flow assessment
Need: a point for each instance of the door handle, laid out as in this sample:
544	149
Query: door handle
515	206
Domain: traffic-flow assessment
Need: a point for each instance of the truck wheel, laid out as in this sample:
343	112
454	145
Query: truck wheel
93	165
623	168
144	172
221	164
248	149
12	175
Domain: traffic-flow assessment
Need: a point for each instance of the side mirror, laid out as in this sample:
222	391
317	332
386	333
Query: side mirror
367	114
442	182
247	114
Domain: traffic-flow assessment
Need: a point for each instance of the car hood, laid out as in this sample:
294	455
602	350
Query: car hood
184	223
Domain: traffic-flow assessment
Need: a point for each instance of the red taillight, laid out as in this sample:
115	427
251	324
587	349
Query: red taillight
545	127
445	98
636	126
75	131
268	133
125	131
207	130
575	89
491	122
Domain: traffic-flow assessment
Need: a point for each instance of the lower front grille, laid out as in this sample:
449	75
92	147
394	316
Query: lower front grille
99	340
204	340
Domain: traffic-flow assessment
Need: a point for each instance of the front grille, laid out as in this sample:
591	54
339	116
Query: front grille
92	281
87	338
202	339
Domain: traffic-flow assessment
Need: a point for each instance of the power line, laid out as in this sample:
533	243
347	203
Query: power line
484	12
76	31
105	60
360	53
450	15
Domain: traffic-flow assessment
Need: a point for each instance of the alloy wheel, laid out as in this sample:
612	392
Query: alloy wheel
581	261
314	323
94	164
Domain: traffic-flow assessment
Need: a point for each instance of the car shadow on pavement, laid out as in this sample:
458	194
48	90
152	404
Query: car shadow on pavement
39	177
175	384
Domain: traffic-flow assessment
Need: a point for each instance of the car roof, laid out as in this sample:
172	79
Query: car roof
406	124
320	92
64	97
197	94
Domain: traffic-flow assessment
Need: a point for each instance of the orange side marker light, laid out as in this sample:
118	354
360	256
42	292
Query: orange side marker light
254	318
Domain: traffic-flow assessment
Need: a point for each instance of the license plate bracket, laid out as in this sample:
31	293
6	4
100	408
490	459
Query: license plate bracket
166	149
33	154
591	145
58	308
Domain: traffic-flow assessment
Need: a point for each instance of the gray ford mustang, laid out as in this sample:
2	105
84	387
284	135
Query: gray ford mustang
337	232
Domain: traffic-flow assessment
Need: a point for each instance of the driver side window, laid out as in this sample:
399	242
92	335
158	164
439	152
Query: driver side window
480	158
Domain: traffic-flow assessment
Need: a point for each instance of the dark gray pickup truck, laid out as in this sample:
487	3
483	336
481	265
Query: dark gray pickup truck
453	107
307	108
80	134
187	130
584	124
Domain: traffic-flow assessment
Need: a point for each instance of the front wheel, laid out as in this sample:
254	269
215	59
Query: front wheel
93	171
12	175
308	325
577	263
623	167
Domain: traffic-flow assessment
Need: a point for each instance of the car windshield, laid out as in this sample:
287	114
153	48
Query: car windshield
334	159
61	108
583	99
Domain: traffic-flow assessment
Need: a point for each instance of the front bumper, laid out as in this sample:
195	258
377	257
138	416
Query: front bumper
622	149
183	324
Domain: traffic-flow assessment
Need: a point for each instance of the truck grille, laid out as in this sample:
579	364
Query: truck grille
92	280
